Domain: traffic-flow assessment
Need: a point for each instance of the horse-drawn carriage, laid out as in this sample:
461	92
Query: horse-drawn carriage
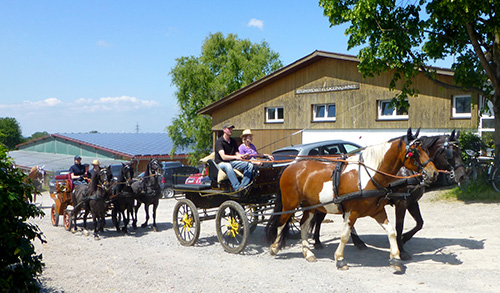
62	200
236	213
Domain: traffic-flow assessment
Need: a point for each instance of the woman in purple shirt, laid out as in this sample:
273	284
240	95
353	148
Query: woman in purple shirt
248	149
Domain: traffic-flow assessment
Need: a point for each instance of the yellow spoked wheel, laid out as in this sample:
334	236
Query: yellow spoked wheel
54	216
186	222
232	226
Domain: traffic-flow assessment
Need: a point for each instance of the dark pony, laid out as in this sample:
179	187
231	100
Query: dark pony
444	150
148	191
123	197
356	187
93	198
36	176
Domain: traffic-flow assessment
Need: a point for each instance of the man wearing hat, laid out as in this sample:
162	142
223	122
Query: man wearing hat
77	171
228	158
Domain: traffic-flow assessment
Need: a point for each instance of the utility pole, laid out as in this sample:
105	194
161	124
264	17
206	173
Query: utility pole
137	128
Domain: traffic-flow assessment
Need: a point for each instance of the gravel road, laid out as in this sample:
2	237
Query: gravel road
457	251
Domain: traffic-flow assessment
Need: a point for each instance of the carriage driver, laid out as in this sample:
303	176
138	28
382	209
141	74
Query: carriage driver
228	157
77	171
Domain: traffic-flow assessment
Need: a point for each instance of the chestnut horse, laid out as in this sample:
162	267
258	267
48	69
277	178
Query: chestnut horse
355	187
445	153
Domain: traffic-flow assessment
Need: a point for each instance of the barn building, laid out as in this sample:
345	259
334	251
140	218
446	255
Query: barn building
323	96
56	151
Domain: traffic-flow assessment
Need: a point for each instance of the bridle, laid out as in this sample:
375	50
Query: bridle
449	148
412	153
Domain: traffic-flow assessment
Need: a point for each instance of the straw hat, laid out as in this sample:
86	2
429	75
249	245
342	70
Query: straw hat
246	132
95	162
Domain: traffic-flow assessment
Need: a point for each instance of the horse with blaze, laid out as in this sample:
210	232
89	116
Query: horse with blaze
354	187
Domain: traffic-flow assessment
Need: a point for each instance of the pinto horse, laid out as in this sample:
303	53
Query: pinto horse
37	177
148	191
444	151
355	187
123	197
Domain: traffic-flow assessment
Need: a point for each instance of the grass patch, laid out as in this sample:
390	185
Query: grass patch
479	190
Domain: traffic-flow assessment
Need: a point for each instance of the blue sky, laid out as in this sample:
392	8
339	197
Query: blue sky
78	66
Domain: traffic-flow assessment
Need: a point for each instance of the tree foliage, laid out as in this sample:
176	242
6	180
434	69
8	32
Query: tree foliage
10	133
19	264
407	36
225	65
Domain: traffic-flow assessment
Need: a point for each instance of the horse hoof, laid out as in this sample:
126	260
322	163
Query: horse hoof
342	265
144	225
73	230
318	246
96	237
273	250
311	258
86	232
396	264
155	229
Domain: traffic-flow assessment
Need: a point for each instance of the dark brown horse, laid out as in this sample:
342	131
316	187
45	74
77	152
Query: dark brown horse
148	191
444	151
355	187
93	198
123	197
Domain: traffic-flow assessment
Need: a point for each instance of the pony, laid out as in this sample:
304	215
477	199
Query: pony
148	191
123	198
356	187
93	198
36	176
444	151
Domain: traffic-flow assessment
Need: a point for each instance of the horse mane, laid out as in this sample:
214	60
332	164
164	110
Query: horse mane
428	141
94	180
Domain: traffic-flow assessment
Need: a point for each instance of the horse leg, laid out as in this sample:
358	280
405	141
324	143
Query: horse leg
356	240
344	237
394	260
146	209
414	210
96	228
317	220
114	218
282	228
155	205
400	209
305	222
136	208
85	214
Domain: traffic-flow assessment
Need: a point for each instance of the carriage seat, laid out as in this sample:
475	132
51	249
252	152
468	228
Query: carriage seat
217	175
67	178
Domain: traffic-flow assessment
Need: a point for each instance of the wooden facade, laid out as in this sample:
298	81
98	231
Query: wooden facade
329	78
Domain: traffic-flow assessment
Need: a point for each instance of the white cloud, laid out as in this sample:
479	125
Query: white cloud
104	44
256	23
123	103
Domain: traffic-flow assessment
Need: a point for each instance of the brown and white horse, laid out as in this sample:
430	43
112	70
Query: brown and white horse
37	176
363	178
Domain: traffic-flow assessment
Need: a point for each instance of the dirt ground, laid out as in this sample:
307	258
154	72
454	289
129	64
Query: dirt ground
457	251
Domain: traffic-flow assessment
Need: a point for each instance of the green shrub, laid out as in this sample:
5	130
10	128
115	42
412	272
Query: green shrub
20	266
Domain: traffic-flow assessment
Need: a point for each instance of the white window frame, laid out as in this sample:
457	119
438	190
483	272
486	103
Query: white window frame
393	116
486	115
461	115
325	118
275	119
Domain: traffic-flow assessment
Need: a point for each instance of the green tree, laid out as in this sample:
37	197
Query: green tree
38	134
399	36
19	264
225	65
10	133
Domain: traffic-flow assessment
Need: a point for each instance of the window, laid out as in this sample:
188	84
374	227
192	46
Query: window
274	115
324	112
385	111
462	106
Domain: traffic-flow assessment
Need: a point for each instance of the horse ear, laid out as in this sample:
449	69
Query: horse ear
416	133
409	135
457	135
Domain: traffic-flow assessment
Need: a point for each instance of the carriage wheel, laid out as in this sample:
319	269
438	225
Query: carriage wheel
232	226
495	179
54	216
186	222
168	192
67	217
253	214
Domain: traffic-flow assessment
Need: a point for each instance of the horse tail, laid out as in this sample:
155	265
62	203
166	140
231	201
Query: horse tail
274	222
